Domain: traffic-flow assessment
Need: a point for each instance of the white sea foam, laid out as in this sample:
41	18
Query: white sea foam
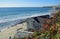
15	17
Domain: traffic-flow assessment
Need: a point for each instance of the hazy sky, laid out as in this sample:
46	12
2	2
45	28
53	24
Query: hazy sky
28	3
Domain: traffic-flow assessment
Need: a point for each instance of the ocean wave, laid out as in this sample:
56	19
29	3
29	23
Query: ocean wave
16	17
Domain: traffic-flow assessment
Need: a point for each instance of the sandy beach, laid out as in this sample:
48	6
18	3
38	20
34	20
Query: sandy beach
11	31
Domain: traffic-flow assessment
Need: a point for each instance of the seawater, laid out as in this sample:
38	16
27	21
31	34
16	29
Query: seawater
13	15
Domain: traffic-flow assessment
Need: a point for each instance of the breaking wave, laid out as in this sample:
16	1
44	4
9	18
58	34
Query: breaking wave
16	17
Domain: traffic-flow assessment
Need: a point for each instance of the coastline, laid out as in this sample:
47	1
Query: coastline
18	21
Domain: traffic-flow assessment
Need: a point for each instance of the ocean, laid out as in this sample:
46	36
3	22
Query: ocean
12	15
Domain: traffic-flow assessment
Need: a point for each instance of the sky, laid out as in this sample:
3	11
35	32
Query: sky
28	3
